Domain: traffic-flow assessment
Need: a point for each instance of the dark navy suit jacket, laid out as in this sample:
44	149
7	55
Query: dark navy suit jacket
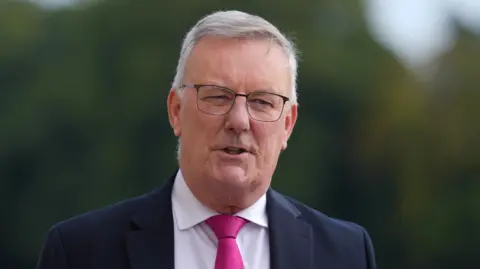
138	234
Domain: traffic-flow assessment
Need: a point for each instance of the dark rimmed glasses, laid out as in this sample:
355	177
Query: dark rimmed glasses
218	100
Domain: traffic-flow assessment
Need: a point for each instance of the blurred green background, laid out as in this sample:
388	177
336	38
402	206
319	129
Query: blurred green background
83	122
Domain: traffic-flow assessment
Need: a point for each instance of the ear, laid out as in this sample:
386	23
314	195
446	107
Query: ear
290	120
174	106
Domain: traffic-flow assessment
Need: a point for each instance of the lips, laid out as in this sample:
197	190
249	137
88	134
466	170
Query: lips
234	150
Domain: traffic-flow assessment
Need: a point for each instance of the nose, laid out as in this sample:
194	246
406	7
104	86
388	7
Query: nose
237	119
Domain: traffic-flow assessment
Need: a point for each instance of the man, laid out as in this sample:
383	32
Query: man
233	107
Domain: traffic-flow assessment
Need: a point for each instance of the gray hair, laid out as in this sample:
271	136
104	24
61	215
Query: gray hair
235	24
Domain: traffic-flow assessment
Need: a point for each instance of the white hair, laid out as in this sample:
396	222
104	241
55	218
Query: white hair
235	24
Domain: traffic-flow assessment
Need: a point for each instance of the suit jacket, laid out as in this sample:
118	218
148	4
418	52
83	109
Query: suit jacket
138	234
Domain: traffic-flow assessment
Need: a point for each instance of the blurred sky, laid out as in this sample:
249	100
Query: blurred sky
416	31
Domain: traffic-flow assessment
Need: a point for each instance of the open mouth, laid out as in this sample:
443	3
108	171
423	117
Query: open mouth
234	151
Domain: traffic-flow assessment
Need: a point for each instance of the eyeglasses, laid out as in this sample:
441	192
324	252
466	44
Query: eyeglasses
217	100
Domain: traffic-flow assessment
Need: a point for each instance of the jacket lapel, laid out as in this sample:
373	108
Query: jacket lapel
290	236
150	244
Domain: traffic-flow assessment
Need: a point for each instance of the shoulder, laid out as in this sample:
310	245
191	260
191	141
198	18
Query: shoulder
317	218
99	233
330	232
109	221
338	238
115	212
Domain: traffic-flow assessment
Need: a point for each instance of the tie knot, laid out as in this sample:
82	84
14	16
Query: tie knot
226	226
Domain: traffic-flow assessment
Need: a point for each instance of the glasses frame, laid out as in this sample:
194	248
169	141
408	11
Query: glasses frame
198	86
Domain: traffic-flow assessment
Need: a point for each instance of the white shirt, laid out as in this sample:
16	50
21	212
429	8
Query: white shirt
196	244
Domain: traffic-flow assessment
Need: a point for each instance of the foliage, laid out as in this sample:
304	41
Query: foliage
83	123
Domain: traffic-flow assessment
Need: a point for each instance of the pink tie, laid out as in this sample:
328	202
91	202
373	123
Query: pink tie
226	228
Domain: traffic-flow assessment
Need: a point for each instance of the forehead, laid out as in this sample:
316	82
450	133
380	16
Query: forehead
240	64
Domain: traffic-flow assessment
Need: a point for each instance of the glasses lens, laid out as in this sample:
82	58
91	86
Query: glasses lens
265	106
214	100
217	100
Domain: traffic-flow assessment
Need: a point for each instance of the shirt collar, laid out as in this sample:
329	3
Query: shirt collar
188	211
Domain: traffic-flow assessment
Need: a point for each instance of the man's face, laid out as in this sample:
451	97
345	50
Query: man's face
243	66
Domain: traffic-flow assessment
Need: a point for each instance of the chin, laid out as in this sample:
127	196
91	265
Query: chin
232	175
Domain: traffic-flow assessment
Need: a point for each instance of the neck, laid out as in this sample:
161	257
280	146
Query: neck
223	200
228	210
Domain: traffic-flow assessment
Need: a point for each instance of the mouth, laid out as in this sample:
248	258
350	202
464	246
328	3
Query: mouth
234	150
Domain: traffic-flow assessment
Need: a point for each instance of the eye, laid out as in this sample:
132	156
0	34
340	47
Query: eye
218	97
261	102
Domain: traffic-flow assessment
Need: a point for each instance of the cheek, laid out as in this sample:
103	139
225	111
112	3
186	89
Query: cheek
191	120
200	129
191	133
270	140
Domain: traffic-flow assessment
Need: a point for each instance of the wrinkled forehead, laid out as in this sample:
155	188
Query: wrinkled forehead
239	63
